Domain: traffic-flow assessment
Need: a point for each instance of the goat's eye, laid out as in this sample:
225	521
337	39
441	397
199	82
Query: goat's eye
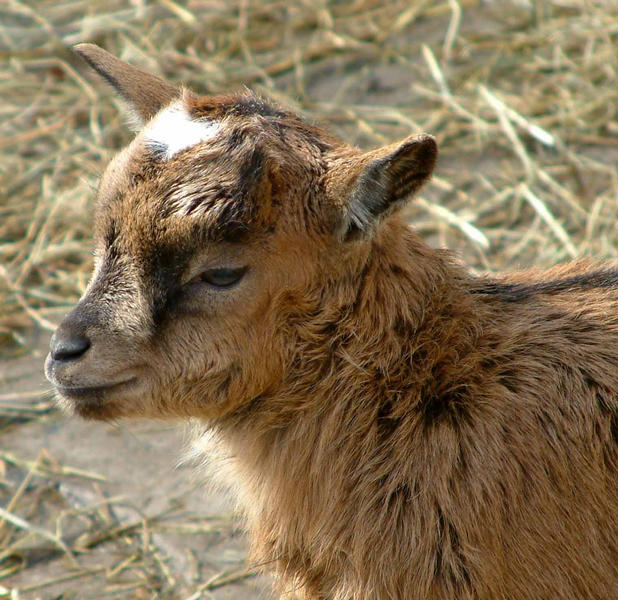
224	277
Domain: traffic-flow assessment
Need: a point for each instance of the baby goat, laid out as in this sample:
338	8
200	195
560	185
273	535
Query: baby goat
394	427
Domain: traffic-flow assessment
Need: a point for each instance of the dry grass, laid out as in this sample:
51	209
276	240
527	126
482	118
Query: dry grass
523	97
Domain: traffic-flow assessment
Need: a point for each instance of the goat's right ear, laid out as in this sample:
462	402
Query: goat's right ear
145	94
368	186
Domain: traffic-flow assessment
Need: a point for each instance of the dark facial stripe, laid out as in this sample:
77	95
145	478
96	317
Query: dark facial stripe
166	267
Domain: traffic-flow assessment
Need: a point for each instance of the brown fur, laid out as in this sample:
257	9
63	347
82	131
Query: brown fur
395	427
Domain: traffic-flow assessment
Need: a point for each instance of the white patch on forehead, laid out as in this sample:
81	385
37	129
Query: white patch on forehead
173	130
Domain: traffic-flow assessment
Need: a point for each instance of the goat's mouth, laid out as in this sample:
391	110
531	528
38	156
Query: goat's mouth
97	401
85	392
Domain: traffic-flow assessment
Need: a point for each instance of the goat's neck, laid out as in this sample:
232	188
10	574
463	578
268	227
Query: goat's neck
406	312
358	367
405	322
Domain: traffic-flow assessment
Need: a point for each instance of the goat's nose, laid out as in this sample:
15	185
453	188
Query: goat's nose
64	346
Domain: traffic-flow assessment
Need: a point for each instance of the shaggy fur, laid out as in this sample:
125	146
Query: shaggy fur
395	427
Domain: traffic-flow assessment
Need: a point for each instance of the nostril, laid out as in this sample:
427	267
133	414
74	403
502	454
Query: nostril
68	348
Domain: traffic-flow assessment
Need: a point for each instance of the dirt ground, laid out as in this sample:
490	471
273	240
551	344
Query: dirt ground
525	110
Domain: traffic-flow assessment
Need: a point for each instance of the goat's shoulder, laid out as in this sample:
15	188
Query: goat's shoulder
569	281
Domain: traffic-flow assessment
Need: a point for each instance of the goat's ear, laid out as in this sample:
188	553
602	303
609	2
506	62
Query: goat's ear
377	182
145	94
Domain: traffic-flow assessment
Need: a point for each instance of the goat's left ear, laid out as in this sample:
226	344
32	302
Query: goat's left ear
144	93
374	184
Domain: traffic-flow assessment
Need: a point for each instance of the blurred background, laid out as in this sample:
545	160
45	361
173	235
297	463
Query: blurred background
522	96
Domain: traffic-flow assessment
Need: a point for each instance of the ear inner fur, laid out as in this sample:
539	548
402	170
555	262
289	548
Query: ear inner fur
388	180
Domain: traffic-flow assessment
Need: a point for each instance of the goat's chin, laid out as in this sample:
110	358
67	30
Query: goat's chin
102	403
94	409
97	411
